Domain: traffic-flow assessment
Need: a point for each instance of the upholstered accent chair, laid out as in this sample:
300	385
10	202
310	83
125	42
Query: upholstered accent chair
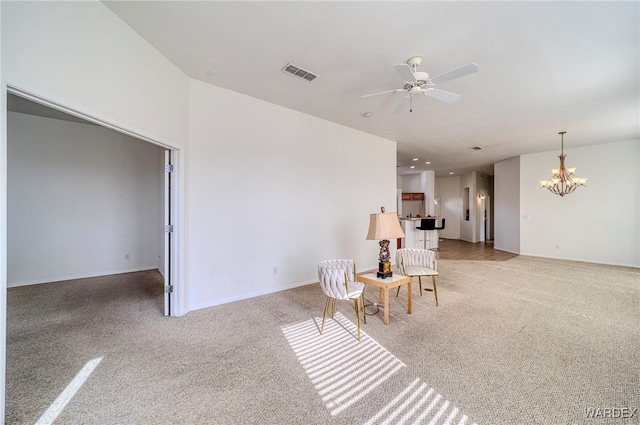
416	262
338	282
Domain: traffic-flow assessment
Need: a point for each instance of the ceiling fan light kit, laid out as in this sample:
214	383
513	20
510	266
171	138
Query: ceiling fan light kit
418	82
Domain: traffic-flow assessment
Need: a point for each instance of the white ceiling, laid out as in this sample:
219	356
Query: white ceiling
544	67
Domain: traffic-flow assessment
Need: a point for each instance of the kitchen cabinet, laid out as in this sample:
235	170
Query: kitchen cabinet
409	196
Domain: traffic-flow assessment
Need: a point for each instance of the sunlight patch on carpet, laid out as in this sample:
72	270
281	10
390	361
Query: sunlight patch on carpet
65	396
343	369
418	404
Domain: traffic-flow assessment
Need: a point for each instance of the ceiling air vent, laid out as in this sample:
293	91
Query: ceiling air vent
299	72
477	148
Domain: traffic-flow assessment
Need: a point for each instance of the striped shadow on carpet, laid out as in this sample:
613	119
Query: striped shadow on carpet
344	371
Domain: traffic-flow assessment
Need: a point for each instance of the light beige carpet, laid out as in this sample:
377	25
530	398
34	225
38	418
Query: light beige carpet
523	341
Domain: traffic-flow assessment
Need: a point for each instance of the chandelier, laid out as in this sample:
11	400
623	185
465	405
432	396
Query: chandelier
563	181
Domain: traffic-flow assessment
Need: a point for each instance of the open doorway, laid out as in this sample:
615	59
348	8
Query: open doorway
88	200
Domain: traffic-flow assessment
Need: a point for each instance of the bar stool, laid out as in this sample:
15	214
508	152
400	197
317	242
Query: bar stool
438	228
426	224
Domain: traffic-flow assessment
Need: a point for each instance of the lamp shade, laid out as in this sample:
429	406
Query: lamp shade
384	226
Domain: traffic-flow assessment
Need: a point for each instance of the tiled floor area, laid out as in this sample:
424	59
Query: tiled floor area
455	249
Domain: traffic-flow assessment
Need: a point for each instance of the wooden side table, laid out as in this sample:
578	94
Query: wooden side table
385	284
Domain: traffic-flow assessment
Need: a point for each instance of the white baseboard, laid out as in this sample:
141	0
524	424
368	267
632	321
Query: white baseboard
582	260
84	276
248	295
505	250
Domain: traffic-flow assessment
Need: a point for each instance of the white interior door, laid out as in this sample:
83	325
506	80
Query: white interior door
487	218
168	233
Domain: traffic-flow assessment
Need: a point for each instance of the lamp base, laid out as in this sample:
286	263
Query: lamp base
384	270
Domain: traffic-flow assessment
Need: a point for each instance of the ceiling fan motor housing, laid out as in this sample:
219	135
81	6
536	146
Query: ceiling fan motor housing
422	79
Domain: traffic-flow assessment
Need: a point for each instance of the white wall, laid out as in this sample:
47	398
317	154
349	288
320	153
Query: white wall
489	206
412	183
312	182
80	55
450	205
599	223
506	188
468	227
70	54
84	56
423	182
428	180
451	192
271	187
80	198
481	186
3	228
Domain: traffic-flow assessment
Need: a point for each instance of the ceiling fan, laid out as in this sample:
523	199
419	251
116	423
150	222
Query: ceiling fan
420	83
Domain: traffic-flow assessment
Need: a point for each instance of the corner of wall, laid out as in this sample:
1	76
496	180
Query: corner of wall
3	231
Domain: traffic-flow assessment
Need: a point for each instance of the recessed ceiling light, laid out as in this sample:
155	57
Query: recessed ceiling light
415	159
428	162
413	166
477	148
367	114
451	172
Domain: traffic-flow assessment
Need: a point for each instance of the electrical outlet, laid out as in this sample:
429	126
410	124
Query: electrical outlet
127	256
557	246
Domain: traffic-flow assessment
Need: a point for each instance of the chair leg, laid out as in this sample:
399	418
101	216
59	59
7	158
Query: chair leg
333	308
435	290
398	292
326	307
364	314
355	306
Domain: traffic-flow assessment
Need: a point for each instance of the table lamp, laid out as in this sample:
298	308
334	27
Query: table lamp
382	227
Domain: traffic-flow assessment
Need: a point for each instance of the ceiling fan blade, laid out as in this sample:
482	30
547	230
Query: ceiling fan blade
456	73
442	95
403	104
382	92
405	72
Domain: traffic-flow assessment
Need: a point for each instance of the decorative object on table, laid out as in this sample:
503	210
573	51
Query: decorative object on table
563	181
338	282
382	227
418	262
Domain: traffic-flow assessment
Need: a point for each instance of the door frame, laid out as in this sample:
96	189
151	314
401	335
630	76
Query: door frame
39	95
174	301
170	238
